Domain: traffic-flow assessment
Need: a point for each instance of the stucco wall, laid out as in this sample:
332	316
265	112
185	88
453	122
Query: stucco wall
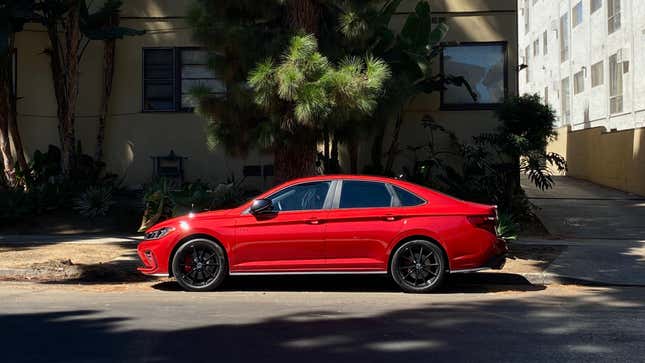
615	159
133	136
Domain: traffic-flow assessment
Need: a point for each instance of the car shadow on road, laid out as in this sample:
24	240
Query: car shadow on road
547	328
460	283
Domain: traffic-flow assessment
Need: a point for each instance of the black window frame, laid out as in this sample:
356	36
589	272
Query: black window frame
177	79
475	106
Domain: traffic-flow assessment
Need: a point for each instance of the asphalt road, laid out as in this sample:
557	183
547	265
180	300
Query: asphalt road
319	320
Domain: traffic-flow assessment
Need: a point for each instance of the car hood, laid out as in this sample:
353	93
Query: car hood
209	215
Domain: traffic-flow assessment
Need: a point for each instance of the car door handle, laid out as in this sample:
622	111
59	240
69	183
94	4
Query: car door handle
390	218
313	221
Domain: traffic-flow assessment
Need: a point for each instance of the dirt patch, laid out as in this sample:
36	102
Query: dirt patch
531	258
71	263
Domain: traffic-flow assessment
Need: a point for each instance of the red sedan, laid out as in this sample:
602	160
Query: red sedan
329	225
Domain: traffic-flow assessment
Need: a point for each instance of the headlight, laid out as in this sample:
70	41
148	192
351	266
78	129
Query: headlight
158	233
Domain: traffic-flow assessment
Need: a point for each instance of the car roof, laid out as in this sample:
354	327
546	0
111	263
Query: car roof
346	177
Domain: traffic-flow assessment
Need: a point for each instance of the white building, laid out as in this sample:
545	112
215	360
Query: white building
586	58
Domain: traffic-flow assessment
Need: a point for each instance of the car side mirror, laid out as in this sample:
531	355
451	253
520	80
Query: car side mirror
261	206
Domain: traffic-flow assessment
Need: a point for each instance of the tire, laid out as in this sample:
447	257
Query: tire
200	265
418	266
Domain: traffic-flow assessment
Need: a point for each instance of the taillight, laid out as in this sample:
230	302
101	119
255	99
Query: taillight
484	222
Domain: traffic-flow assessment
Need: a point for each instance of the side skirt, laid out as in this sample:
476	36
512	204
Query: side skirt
469	270
310	273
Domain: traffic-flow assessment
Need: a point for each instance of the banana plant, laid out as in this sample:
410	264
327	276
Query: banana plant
411	55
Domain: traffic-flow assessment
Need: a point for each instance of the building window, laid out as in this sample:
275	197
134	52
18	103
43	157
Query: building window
536	47
597	74
613	15
546	95
595	5
170	74
615	85
564	37
566	101
527	58
577	15
578	82
545	43
484	66
527	17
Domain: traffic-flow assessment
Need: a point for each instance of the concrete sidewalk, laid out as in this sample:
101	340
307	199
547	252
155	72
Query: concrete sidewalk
603	229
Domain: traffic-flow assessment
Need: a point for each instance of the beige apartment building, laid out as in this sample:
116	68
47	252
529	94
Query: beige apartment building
586	58
150	114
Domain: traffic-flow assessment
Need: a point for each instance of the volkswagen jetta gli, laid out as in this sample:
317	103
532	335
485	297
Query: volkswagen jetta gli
329	225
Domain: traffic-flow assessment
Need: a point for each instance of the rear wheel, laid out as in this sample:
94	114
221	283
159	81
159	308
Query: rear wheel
200	265
418	266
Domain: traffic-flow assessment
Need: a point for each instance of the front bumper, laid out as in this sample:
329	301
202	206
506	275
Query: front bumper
151	254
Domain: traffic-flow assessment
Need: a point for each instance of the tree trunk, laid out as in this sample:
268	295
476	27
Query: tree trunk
14	131
304	15
8	162
296	158
352	148
65	58
8	123
108	76
393	150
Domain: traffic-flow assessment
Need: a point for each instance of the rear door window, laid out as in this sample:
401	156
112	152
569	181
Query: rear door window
363	194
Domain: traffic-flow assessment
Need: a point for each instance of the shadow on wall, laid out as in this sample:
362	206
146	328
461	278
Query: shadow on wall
614	159
506	329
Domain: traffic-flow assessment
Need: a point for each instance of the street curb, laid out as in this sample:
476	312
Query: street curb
546	278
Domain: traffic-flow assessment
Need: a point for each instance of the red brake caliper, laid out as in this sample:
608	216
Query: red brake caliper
188	261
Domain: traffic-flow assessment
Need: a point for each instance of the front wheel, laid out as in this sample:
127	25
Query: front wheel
418	266
200	265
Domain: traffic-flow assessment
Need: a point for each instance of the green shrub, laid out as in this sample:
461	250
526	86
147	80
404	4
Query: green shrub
95	201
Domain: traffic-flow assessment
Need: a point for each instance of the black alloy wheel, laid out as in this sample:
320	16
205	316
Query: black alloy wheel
418	266
200	265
